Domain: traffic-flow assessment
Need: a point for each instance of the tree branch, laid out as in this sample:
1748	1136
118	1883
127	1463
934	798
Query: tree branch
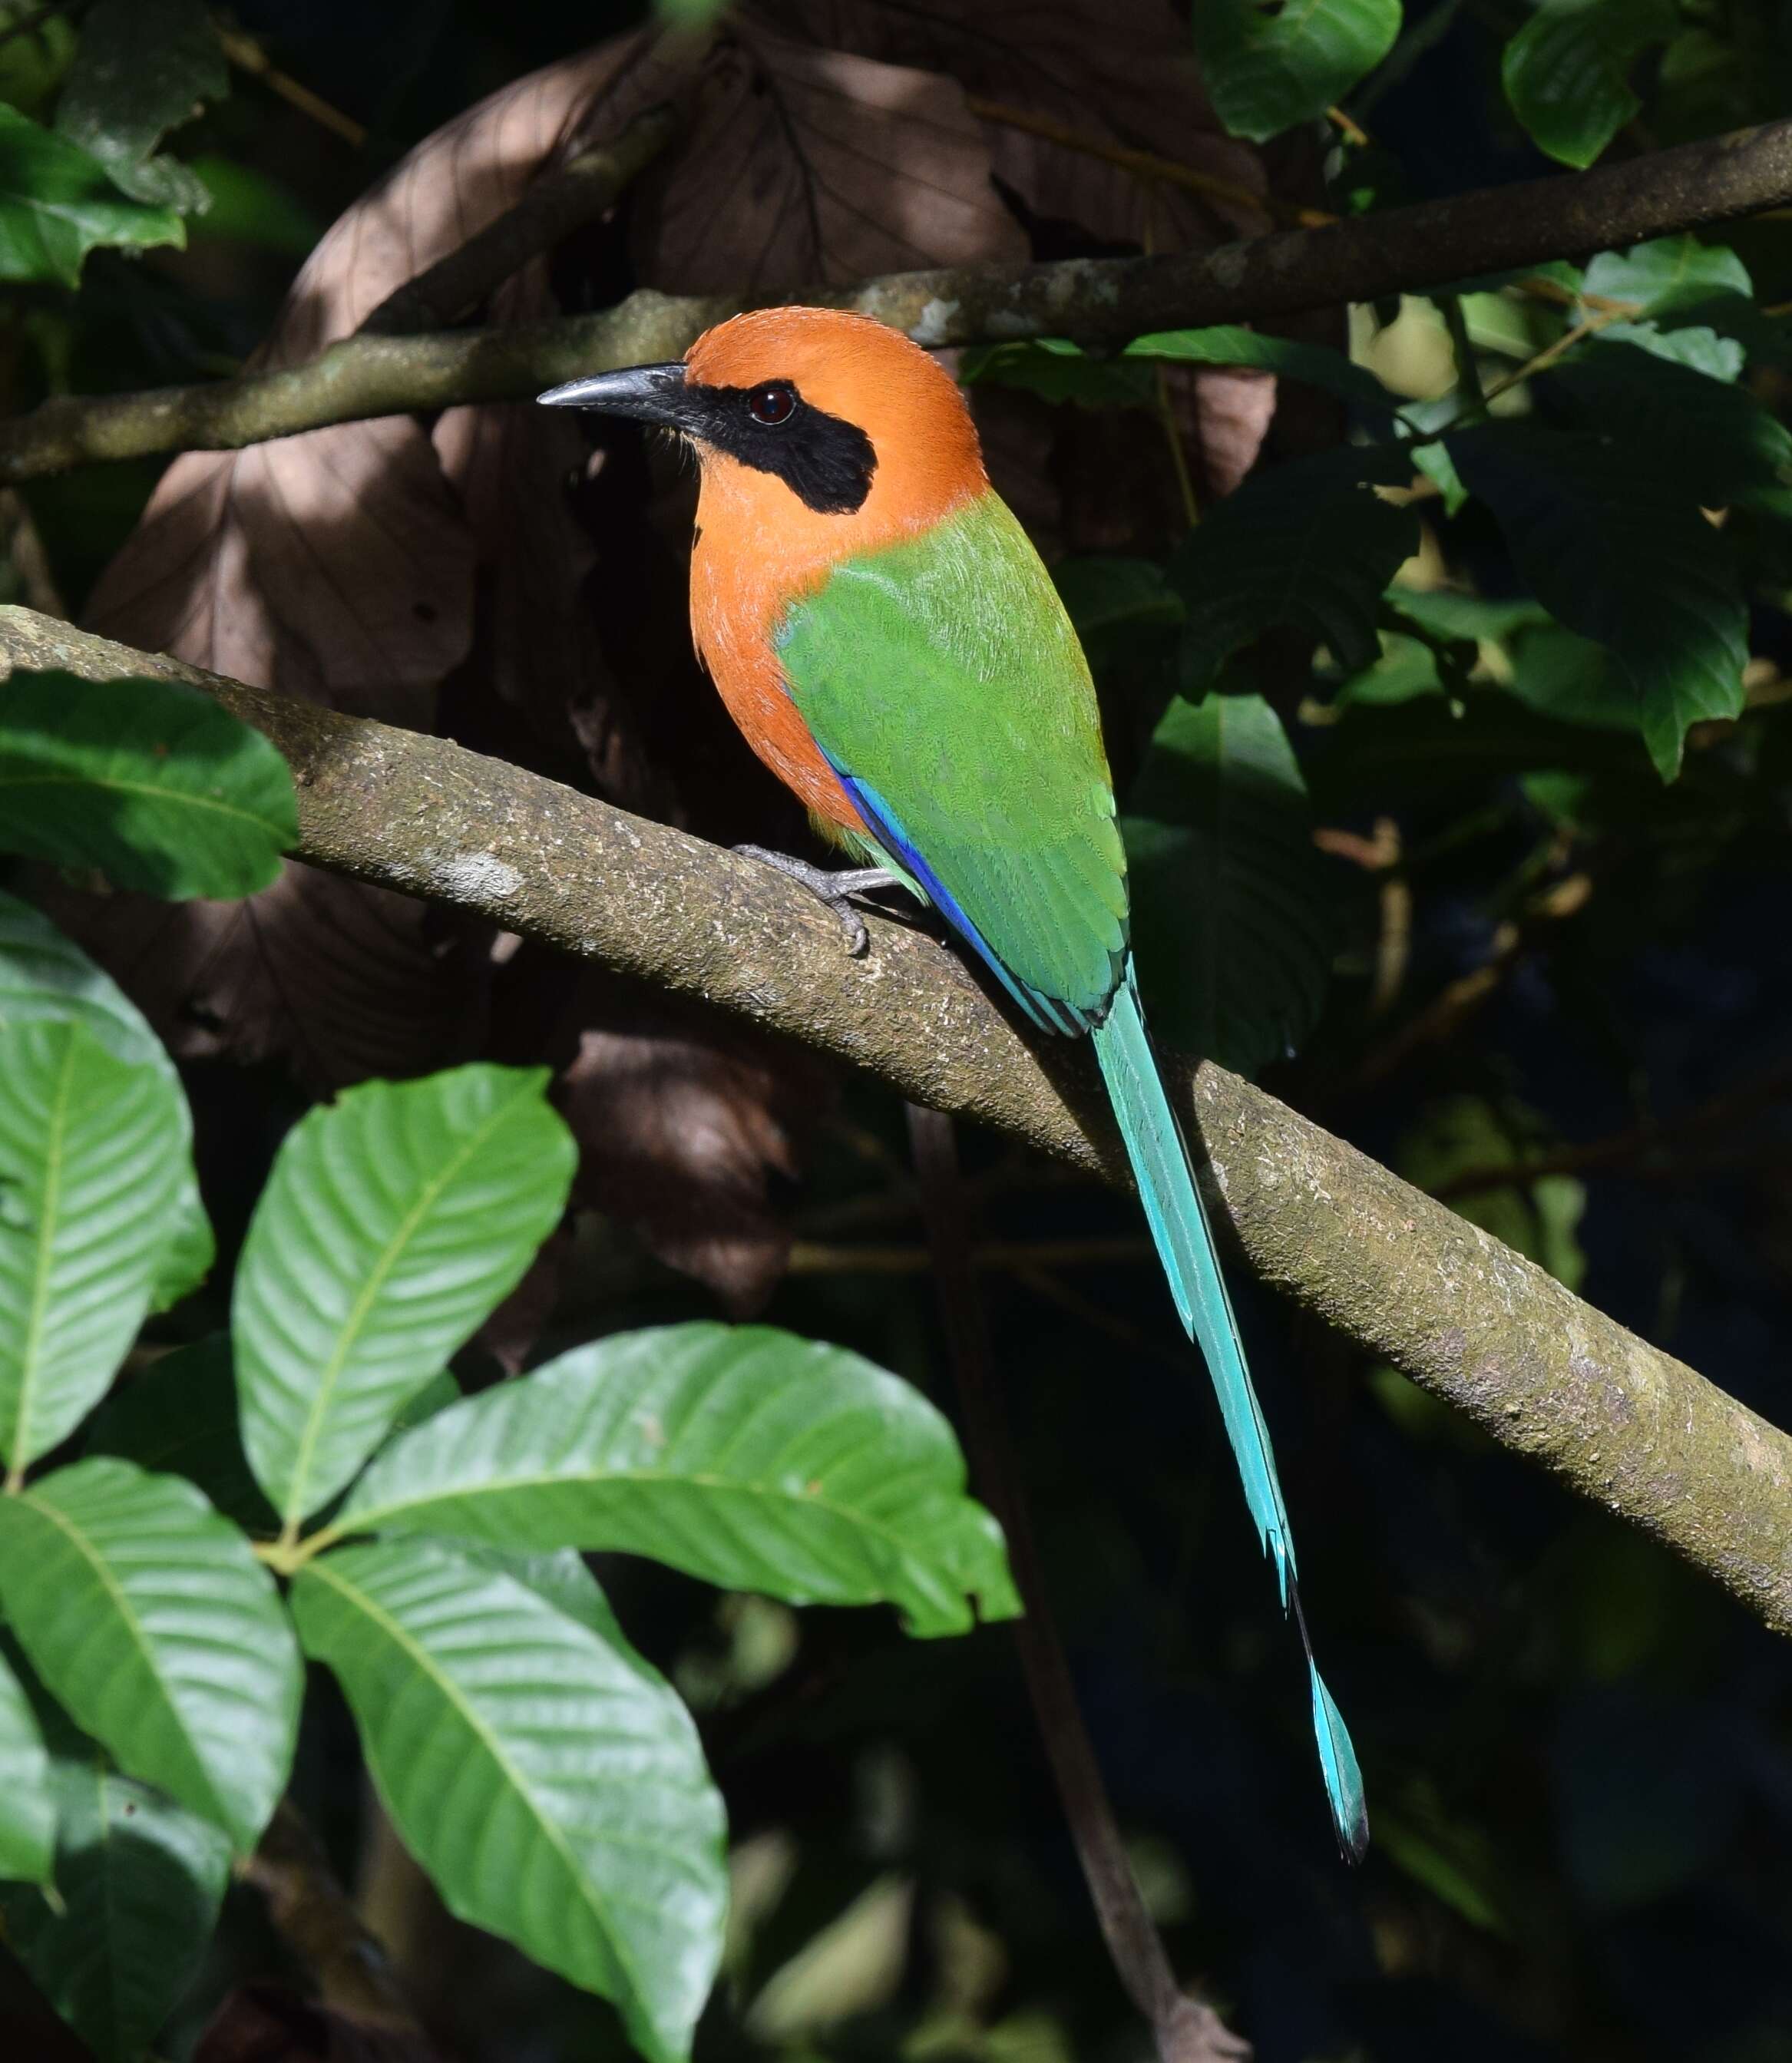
1097	301
317	1920
1387	1265
550	210
1463	1315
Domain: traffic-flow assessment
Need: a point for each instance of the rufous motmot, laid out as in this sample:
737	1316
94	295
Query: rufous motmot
885	637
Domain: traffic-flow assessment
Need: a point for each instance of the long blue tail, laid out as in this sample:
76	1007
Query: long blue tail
1178	1225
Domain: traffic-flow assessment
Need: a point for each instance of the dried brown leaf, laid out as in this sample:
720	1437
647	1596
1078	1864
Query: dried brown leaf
1122	71
688	1132
339	566
819	164
265	2024
404	985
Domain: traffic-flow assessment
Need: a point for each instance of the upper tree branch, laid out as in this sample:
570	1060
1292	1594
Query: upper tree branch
1546	1374
1098	300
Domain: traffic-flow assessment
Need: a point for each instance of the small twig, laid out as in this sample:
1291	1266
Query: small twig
1770	1086
1540	361
1380	854
1145	164
1351	130
1447	1012
1185	2031
1098	300
317	1920
585	187
1462	348
247	55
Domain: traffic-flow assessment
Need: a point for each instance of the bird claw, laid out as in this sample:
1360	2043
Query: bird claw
835	888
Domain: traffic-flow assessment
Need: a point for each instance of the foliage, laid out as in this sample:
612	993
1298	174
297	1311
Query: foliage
392	1223
1442	659
1270	67
57	203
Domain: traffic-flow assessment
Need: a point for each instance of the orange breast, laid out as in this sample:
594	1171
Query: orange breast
733	615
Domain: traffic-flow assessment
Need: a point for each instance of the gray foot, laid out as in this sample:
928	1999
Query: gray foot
833	886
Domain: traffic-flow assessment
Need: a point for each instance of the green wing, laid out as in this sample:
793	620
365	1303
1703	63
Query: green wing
943	682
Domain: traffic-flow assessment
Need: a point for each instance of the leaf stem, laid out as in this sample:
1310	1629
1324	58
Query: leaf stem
247	55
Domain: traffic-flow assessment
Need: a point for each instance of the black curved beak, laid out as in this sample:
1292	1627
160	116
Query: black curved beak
648	393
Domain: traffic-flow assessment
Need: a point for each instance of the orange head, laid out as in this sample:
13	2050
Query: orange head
826	430
821	435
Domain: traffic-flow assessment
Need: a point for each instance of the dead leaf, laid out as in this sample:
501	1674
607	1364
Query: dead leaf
339	566
266	2023
1122	71
510	1335
819	164
406	984
689	1129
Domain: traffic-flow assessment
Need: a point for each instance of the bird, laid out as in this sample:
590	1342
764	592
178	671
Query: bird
889	643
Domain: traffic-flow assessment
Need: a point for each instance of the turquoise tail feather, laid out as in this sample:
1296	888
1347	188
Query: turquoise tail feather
1179	1224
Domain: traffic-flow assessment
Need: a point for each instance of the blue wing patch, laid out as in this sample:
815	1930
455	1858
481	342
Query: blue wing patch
1046	1011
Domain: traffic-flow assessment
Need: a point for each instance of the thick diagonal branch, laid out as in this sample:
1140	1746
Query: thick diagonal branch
1459	1313
1098	300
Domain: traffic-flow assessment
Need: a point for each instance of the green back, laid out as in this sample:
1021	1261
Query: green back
944	682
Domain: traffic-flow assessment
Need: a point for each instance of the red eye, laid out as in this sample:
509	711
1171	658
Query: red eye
772	404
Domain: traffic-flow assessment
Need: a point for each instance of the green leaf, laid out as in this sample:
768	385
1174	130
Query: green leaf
1443	612
57	204
551	1784
1307	546
33	64
27	1811
1311	364
394	1222
1058	371
91	1163
1619	554
562	1578
1229	901
743	1455
148	780
1672	273
246	205
45	976
178	1417
1457	1863
144	67
1569	677
151	1622
1108	597
1434	461
1567	72
139	1882
1712	442
1699	349
1128	619
1407	668
1267	65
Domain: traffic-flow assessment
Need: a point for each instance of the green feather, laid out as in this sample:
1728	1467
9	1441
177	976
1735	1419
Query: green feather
943	675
